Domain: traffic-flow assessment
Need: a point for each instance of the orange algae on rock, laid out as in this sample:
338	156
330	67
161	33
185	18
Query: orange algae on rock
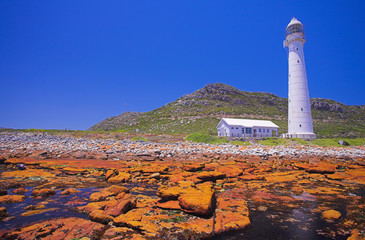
39	211
44	192
331	214
121	177
107	192
28	173
12	198
200	201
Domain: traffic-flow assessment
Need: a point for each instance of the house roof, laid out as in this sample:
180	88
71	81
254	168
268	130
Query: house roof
249	122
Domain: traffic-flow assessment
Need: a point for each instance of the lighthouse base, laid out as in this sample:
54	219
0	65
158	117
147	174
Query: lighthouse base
305	136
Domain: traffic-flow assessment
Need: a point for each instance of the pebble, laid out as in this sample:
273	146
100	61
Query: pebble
21	142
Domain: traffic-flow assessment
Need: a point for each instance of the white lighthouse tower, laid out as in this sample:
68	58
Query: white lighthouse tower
299	112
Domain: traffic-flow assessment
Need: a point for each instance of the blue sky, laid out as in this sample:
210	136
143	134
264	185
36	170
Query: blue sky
71	64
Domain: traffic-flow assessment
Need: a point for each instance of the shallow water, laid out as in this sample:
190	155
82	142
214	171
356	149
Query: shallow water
63	204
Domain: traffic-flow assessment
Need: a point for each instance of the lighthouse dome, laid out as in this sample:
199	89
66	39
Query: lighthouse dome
295	26
294	21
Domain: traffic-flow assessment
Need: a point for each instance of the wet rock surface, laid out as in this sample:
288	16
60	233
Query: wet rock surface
106	189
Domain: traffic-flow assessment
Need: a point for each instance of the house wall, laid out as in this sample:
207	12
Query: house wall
225	130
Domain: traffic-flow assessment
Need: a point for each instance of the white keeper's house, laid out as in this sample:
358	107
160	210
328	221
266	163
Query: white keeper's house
232	127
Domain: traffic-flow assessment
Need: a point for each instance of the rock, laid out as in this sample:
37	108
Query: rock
317	168
251	177
131	216
169	193
331	214
343	143
3	213
3	192
20	191
38	211
355	235
100	217
60	228
230	171
101	156
123	206
155	175
121	177
12	198
171	205
116	233
34	207
78	155
200	201
111	173
193	167
21	166
211	175
107	192
74	171
69	191
45	192
297	190
28	173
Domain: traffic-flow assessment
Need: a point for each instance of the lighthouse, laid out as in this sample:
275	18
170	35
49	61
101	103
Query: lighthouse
300	123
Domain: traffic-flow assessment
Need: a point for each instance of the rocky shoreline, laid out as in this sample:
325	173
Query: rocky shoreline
111	189
54	146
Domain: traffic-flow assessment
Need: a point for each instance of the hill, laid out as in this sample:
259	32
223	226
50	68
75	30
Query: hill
201	111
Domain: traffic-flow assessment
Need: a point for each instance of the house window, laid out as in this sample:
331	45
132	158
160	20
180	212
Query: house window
243	130
301	109
259	129
232	127
236	127
297	60
248	130
297	49
300	125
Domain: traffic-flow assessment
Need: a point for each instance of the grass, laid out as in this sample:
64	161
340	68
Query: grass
139	138
333	142
240	143
325	142
274	141
204	138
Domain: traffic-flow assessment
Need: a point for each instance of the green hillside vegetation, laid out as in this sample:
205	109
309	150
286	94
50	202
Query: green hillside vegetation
202	110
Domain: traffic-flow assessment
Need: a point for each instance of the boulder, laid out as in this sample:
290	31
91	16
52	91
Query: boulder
69	191
331	214
199	201
193	167
111	173
20	191
3	192
107	192
123	206
100	217
12	198
121	177
169	193
3	213
170	205
297	190
211	175
45	192
343	143
78	155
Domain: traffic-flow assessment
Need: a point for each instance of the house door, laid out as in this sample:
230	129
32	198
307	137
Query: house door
254	132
